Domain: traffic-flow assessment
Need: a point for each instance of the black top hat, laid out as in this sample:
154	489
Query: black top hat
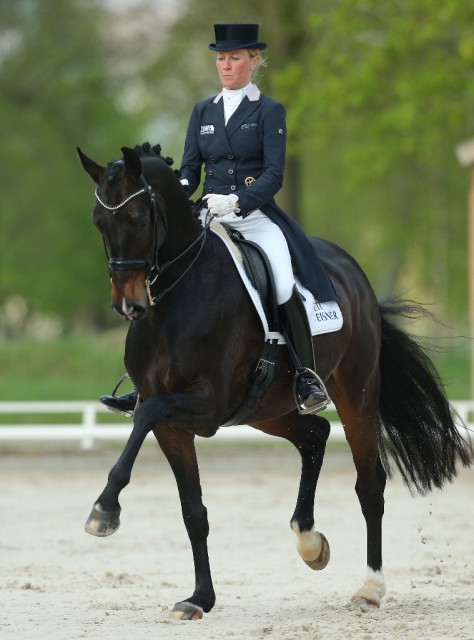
236	36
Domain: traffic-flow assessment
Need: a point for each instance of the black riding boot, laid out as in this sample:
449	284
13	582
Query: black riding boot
125	403
309	390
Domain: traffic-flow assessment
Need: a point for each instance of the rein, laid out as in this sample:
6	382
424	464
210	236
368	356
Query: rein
135	264
149	283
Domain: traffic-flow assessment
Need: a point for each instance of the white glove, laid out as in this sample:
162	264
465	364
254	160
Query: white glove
220	205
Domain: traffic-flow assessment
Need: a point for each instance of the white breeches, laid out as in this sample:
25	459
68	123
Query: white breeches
258	228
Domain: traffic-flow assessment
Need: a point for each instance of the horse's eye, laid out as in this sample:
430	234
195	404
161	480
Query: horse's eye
138	219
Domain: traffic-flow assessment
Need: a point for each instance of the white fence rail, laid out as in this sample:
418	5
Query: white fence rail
81	422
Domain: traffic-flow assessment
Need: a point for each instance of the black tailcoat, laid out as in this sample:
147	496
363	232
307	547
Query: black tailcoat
247	157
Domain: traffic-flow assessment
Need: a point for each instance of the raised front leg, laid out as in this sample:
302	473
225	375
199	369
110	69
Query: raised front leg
178	447
185	410
104	519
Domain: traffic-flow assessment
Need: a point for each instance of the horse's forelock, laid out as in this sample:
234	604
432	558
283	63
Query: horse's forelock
114	170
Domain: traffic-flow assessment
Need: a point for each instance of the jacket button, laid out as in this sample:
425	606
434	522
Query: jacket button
230	171
233	187
210	173
210	189
230	156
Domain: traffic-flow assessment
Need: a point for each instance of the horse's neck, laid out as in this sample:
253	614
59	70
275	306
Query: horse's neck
183	229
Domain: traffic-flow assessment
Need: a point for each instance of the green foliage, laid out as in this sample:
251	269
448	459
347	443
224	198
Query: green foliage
383	96
402	71
56	93
77	367
377	96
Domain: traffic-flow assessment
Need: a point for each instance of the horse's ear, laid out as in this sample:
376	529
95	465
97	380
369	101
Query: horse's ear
92	168
132	162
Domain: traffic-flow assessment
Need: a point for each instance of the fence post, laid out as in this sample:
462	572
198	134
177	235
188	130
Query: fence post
89	416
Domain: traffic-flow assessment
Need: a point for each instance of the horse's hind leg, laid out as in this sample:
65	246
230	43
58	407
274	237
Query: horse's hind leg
370	485
361	433
309	434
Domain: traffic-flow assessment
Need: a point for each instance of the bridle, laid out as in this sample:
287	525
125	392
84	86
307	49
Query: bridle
154	270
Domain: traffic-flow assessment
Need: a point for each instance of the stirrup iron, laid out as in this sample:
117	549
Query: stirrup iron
302	408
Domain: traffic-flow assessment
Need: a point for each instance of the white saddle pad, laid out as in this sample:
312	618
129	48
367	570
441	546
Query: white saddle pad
324	317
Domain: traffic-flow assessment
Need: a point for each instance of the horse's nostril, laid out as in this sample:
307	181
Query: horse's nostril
129	310
139	312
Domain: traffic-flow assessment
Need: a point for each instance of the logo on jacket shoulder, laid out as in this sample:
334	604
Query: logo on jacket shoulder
206	129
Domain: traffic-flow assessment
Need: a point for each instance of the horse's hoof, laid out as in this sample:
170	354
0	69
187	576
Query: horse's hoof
187	611
361	604
313	547
323	558
102	523
370	595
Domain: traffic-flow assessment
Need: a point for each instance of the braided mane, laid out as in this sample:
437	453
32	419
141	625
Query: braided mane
142	150
147	149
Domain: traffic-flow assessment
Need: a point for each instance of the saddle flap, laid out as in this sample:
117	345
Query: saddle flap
259	272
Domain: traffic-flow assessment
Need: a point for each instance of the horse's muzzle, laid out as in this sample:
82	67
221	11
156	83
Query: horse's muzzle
130	310
129	297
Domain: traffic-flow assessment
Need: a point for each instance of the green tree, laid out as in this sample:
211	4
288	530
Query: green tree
57	91
377	94
385	91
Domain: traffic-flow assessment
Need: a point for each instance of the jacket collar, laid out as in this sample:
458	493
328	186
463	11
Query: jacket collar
253	95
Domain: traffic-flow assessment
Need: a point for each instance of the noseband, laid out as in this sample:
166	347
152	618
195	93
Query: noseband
150	264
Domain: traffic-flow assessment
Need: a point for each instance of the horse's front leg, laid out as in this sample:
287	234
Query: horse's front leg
178	446
104	519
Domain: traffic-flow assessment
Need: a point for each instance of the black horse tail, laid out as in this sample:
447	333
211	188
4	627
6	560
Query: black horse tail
416	425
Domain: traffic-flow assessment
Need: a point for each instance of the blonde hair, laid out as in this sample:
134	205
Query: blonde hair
260	64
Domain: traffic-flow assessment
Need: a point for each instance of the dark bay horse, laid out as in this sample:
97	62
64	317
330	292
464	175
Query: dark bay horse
194	342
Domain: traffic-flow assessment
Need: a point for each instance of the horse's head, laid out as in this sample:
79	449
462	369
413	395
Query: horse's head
131	219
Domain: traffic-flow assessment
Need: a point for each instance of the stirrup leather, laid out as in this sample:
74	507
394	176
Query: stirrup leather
302	408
